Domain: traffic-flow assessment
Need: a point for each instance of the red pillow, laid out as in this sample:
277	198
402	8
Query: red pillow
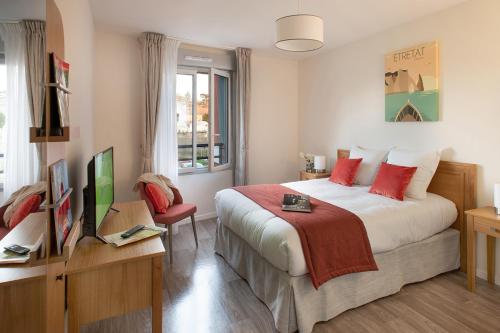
345	171
29	205
392	180
157	197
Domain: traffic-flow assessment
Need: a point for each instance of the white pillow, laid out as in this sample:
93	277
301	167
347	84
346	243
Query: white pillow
426	163
372	158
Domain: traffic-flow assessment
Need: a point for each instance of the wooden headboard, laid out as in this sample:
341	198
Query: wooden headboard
456	182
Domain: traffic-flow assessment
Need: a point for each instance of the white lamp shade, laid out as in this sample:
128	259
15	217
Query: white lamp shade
496	195
319	162
299	33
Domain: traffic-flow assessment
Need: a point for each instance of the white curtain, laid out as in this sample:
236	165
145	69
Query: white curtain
165	145
21	157
243	92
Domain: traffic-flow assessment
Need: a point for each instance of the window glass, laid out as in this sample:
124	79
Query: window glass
221	120
184	107
202	119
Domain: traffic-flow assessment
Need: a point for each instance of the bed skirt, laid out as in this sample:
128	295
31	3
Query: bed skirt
296	305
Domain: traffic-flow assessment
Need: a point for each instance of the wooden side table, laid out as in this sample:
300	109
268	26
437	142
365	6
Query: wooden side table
304	175
486	221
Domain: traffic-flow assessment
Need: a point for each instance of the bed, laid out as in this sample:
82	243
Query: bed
411	241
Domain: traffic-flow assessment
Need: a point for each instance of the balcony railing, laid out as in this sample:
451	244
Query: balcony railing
201	154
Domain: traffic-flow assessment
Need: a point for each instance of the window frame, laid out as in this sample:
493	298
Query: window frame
193	71
229	163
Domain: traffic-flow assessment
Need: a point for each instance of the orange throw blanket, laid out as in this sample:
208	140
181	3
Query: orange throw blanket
334	240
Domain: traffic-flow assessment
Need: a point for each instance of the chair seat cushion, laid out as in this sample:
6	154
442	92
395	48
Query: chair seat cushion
175	213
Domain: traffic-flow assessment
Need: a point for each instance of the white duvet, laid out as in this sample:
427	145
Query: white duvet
389	223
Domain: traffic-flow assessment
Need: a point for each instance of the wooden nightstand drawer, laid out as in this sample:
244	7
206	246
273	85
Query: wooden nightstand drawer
304	175
487	227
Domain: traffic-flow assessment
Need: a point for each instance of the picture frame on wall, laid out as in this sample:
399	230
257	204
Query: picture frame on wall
412	84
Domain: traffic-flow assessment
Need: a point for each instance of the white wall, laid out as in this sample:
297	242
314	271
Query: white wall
273	121
79	52
117	115
342	95
117	121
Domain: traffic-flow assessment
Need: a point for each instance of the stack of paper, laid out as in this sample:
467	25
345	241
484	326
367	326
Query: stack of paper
148	231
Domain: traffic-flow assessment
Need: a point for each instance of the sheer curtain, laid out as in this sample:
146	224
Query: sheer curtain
153	61
21	158
165	144
241	117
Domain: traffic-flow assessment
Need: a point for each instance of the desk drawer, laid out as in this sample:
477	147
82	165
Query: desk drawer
487	228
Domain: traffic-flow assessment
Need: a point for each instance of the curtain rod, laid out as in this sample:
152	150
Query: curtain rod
196	43
9	21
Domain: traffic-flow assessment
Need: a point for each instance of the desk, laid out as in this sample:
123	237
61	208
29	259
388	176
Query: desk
22	286
104	281
486	221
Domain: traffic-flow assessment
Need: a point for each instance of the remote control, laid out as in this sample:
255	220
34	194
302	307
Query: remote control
132	231
17	249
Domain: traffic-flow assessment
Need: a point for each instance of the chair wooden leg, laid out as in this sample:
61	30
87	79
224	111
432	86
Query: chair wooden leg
170	237
194	230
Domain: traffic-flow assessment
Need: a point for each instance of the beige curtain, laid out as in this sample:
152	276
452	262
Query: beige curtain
35	77
153	62
241	116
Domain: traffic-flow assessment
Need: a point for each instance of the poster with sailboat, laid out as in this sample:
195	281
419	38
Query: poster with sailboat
411	84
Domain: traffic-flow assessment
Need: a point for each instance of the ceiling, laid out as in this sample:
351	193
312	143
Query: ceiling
13	10
250	23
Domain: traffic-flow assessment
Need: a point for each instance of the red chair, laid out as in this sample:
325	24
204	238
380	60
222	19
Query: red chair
175	213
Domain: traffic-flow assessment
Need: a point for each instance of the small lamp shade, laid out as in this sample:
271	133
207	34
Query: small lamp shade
496	198
319	162
299	33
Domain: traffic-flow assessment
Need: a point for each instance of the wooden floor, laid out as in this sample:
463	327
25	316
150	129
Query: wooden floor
203	294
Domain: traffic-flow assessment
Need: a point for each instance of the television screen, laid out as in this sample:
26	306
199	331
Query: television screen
104	192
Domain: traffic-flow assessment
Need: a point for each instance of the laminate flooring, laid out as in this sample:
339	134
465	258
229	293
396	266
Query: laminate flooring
203	294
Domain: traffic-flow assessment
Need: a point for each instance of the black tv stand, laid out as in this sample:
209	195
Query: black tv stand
114	210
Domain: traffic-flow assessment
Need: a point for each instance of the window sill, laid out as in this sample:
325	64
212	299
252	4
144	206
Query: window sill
203	171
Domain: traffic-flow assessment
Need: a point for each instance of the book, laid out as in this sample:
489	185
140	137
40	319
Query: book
63	219
60	80
296	203
148	231
8	257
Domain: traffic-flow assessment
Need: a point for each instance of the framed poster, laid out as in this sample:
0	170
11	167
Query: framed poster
412	84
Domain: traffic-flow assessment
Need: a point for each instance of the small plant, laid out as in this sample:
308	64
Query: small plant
309	161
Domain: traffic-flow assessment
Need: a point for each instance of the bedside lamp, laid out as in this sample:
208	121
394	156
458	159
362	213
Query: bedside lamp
496	198
319	163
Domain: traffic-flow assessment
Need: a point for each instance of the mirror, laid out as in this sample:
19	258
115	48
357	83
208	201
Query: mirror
23	220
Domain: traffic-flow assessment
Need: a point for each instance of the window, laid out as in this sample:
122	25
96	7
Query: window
3	109
203	123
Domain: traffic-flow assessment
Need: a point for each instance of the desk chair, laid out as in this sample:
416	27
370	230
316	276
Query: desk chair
175	213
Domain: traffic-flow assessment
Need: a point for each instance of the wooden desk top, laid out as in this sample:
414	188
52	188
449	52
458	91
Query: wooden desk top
90	253
26	233
487	213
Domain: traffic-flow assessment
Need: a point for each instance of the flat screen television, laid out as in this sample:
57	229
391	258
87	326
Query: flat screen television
98	195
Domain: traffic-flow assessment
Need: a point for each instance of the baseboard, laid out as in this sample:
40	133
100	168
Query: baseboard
481	273
199	217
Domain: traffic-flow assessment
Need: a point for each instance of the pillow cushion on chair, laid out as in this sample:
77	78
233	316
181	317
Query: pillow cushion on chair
345	171
157	197
392	180
29	205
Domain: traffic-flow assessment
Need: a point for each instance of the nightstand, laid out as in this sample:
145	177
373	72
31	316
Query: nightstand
483	220
304	175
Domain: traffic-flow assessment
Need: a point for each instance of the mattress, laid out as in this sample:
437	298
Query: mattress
389	223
